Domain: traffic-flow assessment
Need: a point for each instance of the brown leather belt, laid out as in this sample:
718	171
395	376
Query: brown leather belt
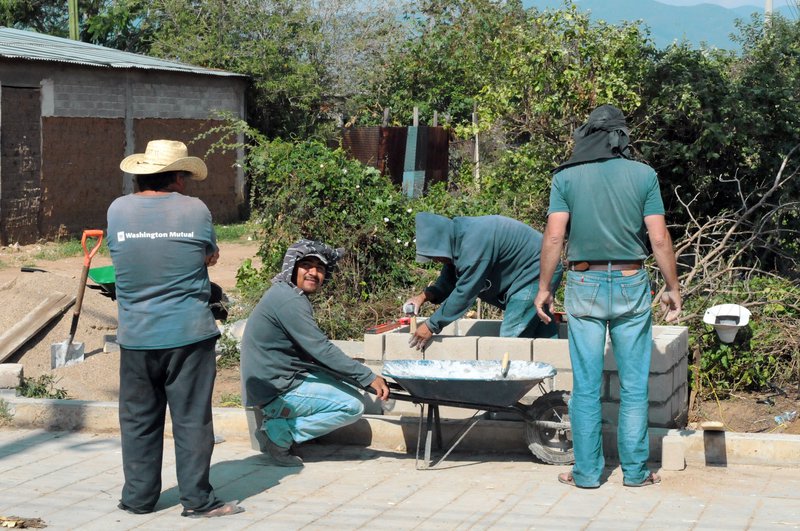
603	265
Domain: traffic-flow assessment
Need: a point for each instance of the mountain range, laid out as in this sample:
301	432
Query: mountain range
707	24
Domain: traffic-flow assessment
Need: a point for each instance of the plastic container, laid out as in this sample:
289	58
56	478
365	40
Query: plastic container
786	417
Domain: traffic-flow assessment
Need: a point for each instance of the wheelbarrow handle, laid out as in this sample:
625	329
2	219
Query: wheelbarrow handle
342	377
87	254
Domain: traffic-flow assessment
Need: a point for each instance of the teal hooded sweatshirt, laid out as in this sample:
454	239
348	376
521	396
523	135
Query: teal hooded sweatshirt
493	257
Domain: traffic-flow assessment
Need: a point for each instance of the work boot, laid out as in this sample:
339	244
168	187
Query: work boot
280	455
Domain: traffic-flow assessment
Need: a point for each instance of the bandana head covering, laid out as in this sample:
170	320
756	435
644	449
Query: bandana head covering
605	135
302	249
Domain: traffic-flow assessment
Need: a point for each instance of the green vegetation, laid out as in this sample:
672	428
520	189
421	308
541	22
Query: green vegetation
231	400
5	413
720	128
229	351
235	232
41	387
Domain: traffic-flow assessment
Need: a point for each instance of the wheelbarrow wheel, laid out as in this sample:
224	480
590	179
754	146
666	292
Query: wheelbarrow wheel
552	445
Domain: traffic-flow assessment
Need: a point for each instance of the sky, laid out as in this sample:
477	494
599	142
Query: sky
727	3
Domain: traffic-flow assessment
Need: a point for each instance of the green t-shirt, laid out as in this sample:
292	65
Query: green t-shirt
607	202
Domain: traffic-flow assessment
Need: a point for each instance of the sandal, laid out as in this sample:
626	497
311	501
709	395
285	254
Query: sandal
567	479
223	510
651	479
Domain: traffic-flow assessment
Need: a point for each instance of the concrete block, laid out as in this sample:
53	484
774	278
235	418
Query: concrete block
450	330
660	387
479	327
255	419
354	349
374	346
396	347
10	375
494	348
721	447
667	352
452	348
552	351
673	456
660	414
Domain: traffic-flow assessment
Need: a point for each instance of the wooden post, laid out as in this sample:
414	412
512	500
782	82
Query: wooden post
72	7
415	123
385	122
435	118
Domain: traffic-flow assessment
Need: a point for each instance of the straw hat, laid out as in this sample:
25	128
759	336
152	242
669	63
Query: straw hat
164	155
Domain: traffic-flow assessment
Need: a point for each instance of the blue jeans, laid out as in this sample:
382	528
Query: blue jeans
319	405
597	301
520	318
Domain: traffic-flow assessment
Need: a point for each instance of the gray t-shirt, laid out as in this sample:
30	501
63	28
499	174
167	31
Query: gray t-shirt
159	245
607	202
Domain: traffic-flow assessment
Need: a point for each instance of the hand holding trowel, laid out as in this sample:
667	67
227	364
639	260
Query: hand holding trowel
66	353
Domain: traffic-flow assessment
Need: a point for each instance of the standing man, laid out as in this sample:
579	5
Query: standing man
161	244
609	202
299	403
492	257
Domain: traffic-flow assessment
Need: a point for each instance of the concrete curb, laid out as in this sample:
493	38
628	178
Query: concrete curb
399	433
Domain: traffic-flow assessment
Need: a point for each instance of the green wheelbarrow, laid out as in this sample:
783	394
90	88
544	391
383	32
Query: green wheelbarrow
106	280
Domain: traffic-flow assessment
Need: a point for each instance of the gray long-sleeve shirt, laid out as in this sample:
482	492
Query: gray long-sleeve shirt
281	330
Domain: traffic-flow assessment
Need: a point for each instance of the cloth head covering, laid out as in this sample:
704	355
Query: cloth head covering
605	135
302	249
434	235
162	156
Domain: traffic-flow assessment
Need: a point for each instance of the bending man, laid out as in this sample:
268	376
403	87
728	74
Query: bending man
492	257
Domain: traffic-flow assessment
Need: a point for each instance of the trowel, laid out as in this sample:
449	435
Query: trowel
67	353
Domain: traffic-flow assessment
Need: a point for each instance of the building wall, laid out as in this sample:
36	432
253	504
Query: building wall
81	165
93	117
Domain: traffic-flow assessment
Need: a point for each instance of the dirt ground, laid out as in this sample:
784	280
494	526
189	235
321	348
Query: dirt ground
97	378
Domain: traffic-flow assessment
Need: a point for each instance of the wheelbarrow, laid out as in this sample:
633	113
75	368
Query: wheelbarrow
485	386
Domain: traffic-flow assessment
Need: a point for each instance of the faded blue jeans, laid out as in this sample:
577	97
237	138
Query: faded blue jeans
597	301
317	406
520	318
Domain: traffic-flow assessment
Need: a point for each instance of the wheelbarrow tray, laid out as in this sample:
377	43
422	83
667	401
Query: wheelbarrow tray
476	382
105	277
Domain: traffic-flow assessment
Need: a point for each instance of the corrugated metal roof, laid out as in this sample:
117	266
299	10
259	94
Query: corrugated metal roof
19	44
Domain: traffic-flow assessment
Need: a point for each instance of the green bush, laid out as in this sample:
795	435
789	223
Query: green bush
41	387
5	413
765	351
307	190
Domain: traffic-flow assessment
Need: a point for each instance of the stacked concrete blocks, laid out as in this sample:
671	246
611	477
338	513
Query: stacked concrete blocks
668	380
475	339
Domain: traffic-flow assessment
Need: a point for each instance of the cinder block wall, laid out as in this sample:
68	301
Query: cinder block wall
473	339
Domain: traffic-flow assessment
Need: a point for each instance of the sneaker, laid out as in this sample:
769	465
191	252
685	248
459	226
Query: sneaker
280	455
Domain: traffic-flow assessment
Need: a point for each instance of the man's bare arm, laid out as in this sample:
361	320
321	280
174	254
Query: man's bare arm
664	254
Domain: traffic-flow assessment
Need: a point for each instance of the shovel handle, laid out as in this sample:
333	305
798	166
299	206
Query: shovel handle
87	254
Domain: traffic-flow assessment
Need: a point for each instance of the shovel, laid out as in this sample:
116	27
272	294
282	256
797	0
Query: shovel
67	353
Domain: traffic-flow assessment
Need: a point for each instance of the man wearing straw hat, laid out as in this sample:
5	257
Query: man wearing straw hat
161	244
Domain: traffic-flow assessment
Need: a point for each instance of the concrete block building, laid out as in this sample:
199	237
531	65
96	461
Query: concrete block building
71	111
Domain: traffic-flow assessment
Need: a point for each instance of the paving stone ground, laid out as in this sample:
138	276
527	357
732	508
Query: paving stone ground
72	480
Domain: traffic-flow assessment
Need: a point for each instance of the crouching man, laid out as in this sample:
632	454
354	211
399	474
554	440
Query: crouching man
299	403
